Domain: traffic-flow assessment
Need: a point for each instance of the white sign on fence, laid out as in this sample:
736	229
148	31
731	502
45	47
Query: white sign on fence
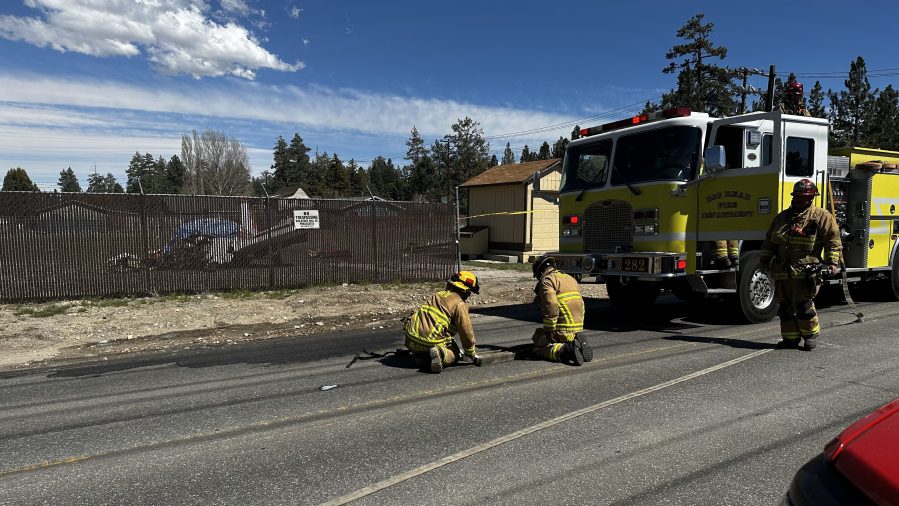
305	219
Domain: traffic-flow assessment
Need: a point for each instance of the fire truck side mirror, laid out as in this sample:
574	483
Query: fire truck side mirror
714	158
537	181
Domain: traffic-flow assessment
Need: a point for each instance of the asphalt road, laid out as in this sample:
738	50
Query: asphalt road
680	406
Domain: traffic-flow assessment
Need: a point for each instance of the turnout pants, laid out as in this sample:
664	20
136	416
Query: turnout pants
798	318
449	352
549	348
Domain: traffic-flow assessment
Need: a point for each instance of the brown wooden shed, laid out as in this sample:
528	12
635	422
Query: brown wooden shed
507	189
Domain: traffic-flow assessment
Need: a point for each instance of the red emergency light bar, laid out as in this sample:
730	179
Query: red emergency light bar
674	112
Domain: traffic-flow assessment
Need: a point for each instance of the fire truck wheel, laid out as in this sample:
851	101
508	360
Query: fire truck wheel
755	289
635	295
894	276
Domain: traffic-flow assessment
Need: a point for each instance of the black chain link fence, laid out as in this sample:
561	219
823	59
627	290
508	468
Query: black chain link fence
82	245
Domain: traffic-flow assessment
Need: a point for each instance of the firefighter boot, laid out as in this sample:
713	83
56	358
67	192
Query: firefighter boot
788	344
810	343
584	346
436	360
720	263
571	354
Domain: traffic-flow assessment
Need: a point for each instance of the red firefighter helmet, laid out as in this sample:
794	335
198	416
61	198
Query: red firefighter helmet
794	88
805	187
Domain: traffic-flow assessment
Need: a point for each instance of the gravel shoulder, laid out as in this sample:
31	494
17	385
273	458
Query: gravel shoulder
42	335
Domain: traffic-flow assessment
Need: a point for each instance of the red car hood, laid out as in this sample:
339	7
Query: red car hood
867	454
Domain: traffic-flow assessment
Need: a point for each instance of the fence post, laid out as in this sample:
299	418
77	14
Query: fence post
458	235
374	243
271	255
145	239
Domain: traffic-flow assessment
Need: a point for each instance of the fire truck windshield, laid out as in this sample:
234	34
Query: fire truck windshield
665	154
586	166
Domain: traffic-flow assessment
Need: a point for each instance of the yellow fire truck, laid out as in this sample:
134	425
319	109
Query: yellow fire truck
643	199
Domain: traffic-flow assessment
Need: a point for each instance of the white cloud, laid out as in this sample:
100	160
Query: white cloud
176	35
295	12
239	6
317	107
49	123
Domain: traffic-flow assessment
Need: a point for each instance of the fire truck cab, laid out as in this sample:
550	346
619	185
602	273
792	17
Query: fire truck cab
642	201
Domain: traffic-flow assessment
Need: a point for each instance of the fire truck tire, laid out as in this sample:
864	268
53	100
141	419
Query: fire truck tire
894	277
755	289
635	295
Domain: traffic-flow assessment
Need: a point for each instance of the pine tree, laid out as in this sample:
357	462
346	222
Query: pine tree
263	185
576	132
337	182
17	180
103	184
68	181
543	154
174	175
508	155
314	179
525	154
650	106
359	183
471	151
849	109
415	147
559	147
701	86
816	101
422	178
279	165
883	124
135	174
493	161
299	172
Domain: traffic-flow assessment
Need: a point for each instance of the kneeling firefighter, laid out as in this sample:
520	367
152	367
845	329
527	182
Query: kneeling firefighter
560	302
430	329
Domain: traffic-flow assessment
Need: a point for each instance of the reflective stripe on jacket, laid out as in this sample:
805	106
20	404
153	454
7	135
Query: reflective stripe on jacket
560	301
796	240
438	320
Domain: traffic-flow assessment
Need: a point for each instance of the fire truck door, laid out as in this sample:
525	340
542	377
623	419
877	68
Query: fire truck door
739	202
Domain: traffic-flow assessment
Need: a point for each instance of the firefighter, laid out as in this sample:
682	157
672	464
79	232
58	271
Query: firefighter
794	102
799	240
563	316
430	329
725	254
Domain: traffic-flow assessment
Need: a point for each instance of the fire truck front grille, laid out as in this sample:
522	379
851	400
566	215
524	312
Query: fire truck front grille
609	226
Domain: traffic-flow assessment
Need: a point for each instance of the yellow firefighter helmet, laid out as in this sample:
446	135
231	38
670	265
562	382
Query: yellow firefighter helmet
465	281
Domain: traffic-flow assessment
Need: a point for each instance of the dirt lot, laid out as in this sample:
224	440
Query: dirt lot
34	335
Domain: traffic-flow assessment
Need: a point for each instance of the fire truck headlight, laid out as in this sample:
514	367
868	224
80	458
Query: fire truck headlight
650	229
571	232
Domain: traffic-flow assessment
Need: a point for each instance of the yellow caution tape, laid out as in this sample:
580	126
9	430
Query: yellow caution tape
510	213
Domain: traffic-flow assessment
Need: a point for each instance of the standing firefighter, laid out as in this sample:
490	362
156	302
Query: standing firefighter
794	101
430	329
563	316
799	240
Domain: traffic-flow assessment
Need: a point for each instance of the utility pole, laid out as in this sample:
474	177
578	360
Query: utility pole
769	100
744	90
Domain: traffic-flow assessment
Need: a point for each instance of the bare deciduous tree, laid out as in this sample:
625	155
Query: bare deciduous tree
215	164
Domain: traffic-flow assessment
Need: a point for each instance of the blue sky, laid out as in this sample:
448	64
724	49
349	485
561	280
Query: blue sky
86	83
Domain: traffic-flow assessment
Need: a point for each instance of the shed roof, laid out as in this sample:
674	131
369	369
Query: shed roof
511	173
